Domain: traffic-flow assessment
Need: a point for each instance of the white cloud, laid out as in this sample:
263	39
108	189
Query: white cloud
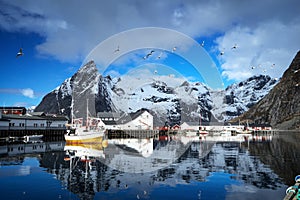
28	93
266	32
267	49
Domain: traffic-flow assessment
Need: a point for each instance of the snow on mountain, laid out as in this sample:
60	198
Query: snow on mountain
163	95
168	98
239	97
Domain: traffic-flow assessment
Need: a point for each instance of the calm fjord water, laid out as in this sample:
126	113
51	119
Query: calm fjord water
150	169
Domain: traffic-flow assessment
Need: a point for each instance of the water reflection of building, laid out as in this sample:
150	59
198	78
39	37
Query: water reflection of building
145	155
173	163
15	154
19	148
141	119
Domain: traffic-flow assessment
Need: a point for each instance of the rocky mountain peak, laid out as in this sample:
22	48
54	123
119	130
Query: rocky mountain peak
171	99
281	106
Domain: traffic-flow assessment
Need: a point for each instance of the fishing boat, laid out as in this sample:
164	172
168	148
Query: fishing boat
92	132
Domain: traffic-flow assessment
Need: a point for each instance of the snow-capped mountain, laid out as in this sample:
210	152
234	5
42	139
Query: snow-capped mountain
169	99
239	97
281	106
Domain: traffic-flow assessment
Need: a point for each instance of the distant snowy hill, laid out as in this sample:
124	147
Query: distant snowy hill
239	97
168	98
281	106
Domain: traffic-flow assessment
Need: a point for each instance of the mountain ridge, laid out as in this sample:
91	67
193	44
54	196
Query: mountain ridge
281	106
168	98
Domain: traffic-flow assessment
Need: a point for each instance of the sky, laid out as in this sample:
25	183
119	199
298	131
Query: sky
59	36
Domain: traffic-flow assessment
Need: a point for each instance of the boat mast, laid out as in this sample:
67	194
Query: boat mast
72	111
87	114
200	128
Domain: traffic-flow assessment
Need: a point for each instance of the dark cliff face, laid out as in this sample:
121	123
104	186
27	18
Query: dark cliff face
85	86
281	106
58	101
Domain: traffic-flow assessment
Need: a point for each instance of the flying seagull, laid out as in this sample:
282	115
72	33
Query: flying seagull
202	44
20	53
118	49
149	54
234	47
159	56
174	49
222	53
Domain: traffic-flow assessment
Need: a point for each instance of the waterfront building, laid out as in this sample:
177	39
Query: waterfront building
32	124
13	110
142	119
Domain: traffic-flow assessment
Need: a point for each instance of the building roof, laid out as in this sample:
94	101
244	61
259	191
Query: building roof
108	114
37	114
33	117
126	118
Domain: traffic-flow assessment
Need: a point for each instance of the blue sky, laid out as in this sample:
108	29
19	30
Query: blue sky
57	37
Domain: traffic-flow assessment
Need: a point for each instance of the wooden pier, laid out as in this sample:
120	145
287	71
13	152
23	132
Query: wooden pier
28	132
137	133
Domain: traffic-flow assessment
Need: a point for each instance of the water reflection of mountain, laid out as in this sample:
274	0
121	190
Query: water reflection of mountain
144	155
281	155
108	169
194	162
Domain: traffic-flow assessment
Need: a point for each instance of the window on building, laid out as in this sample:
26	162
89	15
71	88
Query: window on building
35	125
11	124
42	125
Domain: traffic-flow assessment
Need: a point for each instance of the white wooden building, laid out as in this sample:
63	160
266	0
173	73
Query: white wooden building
210	126
141	119
32	122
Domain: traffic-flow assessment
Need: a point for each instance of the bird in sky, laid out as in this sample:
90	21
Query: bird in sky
234	47
222	53
149	54
117	49
202	44
160	55
20	53
174	49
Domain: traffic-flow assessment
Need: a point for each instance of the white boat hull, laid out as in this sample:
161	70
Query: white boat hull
82	135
